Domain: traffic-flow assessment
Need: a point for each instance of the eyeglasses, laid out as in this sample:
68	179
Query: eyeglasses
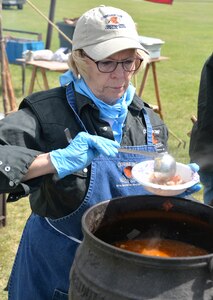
109	66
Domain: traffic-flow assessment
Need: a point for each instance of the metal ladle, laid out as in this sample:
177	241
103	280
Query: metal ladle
164	167
164	163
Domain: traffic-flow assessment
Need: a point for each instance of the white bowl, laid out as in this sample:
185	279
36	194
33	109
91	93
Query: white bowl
142	173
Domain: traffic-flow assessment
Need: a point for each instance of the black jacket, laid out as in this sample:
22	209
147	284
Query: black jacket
201	142
38	127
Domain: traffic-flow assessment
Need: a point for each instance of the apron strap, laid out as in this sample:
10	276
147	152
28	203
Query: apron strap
61	232
148	128
72	103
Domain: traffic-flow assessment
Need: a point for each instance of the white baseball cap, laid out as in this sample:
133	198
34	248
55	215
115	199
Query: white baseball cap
103	31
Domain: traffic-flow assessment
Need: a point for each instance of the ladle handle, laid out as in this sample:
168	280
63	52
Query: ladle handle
68	135
124	150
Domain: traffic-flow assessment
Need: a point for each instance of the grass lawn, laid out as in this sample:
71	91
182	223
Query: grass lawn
9	239
186	27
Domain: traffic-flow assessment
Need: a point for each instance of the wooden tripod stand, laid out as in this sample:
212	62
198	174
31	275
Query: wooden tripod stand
9	101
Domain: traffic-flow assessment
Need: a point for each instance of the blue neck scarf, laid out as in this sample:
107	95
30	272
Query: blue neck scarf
115	114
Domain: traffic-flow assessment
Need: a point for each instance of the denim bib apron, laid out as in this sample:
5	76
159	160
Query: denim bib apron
47	248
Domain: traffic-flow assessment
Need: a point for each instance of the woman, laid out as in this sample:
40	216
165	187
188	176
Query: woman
61	147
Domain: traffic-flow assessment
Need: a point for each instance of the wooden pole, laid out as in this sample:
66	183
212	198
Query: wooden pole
3	74
49	27
10	91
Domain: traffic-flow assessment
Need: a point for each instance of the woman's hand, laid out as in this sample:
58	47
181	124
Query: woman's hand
80	153
196	187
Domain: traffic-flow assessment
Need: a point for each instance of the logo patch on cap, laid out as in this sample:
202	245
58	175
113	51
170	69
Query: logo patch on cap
113	21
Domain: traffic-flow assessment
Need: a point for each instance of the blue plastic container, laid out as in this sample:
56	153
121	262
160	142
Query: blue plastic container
15	48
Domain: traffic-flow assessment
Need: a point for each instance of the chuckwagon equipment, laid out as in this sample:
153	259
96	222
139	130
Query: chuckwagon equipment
103	271
9	101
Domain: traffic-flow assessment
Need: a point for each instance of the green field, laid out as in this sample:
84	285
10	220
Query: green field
186	27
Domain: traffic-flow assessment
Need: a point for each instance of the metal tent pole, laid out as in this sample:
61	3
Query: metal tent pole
49	27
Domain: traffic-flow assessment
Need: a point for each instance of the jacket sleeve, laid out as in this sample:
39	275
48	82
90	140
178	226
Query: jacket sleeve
19	145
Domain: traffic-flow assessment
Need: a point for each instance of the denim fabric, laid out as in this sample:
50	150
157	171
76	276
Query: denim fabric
42	264
207	180
48	246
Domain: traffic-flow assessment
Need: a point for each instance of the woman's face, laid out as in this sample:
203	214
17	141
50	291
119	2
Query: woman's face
109	87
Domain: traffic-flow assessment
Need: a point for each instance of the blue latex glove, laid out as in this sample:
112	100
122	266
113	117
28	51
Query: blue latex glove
80	153
196	187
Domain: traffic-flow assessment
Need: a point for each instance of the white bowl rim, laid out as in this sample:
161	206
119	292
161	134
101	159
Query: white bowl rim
177	187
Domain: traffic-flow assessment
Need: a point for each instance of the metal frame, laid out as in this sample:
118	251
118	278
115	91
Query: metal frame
3	210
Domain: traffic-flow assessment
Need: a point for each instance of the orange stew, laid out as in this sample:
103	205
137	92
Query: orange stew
161	247
173	181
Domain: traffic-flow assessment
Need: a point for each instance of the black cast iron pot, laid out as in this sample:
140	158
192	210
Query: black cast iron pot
103	271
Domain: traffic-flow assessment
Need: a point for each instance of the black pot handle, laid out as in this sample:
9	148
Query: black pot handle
211	268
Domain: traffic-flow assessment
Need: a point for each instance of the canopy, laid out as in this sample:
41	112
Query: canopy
161	1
